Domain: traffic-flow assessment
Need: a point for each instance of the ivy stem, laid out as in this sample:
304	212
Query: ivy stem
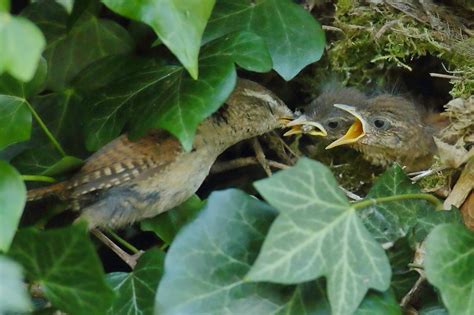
374	201
123	242
38	178
45	129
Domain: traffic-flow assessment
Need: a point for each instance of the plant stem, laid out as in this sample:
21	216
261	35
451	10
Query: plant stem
45	129
374	201
123	242
38	178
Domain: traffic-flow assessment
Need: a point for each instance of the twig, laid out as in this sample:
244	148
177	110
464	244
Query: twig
257	147
332	28
445	76
413	293
350	194
130	260
220	167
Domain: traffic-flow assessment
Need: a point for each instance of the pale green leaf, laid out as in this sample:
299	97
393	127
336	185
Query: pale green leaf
21	44
178	23
14	87
12	201
206	264
449	265
13	295
318	233
15	120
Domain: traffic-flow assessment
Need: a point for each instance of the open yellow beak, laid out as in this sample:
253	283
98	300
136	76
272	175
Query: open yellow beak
303	125
355	132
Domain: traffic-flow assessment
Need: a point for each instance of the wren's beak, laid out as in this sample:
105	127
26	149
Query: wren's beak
303	125
355	132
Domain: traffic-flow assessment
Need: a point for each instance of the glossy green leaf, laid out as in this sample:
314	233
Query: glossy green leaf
167	225
4	5
449	263
318	233
403	277
379	303
136	290
13	295
65	264
14	87
67	4
15	120
178	23
206	264
21	44
392	220
246	49
433	310
428	222
69	50
12	201
294	38
160	97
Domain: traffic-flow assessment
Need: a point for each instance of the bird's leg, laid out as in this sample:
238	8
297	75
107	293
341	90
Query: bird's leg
260	155
130	260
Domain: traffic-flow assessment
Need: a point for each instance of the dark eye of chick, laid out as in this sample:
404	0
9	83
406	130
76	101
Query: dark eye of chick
381	123
333	124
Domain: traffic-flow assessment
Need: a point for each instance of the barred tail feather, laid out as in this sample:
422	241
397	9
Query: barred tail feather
44	192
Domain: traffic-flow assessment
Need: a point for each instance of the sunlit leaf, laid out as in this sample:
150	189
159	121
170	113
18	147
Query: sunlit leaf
318	233
12	201
206	264
14	87
449	263
15	120
294	38
21	44
178	23
13	295
65	264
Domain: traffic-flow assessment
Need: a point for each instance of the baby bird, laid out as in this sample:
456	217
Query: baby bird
127	181
390	129
321	118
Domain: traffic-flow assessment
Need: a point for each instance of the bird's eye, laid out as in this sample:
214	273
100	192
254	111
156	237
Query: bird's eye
381	123
333	124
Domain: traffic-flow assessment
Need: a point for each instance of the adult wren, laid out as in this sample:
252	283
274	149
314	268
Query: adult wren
127	181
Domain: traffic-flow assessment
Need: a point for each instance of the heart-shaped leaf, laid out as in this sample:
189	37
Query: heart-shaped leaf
12	201
20	58
294	38
14	297
15	120
379	303
449	263
206	264
136	290
179	24
70	49
318	233
65	264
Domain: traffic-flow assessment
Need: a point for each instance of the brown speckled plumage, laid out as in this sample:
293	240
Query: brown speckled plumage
126	181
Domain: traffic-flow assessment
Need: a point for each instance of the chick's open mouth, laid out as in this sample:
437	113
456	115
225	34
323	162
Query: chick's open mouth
303	125
355	132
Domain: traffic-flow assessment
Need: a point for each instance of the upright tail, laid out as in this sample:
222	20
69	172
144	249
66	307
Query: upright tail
58	190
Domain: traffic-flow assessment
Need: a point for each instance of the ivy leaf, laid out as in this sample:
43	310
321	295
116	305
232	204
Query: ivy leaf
12	201
167	225
425	224
392	220
14	87
15	120
448	266
20	58
318	233
379	303
65	264
136	290
14	297
70	49
179	24
403	277
205	265
294	38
